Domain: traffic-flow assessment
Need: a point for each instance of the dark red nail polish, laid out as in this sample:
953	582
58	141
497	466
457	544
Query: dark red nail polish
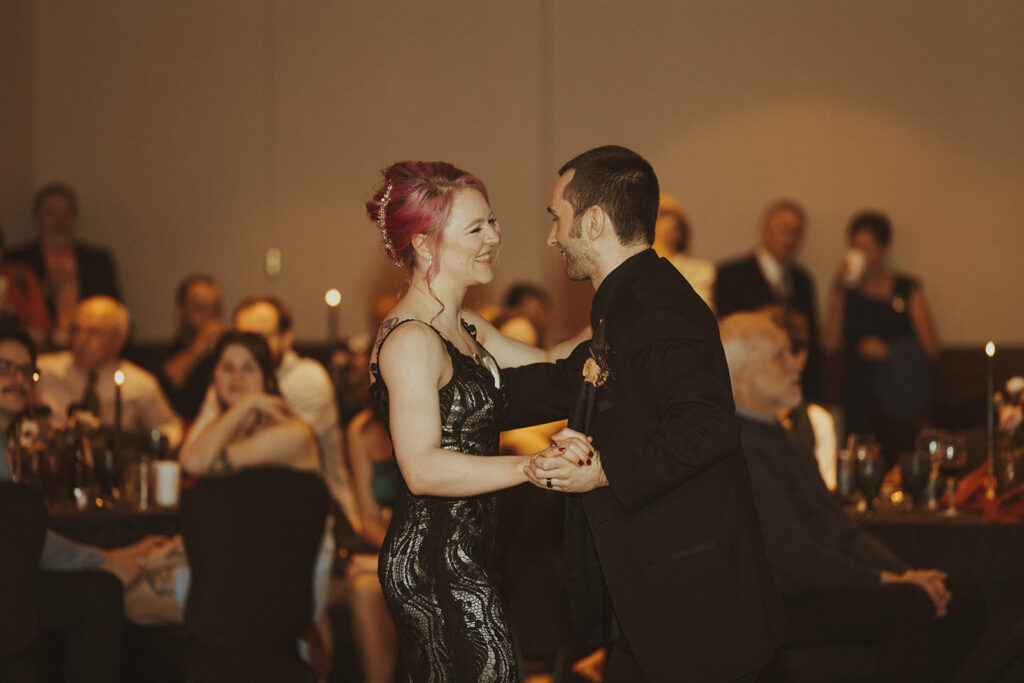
588	462
561	450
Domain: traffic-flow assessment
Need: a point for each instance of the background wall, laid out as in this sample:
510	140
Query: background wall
201	134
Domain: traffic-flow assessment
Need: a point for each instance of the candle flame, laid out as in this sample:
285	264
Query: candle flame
332	297
990	349
118	378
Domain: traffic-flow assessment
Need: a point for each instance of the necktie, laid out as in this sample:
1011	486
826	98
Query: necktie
90	399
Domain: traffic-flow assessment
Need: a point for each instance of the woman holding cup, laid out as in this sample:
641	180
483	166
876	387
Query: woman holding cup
881	321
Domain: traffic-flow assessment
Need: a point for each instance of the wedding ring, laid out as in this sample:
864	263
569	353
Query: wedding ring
549	483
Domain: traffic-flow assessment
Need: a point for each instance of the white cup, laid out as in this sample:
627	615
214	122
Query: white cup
855	261
167	482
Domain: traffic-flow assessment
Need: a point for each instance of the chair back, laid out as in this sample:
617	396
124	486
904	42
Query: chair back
252	540
23	522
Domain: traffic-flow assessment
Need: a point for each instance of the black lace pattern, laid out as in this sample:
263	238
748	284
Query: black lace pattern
438	565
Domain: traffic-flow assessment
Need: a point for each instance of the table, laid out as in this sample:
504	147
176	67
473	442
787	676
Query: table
991	554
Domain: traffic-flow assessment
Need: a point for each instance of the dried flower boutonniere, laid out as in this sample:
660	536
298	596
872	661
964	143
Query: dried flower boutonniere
596	369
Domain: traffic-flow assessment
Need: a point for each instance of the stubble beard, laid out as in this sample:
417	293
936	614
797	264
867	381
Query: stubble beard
579	262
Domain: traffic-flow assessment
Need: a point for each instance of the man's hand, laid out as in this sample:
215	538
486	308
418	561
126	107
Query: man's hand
931	581
576	470
125	563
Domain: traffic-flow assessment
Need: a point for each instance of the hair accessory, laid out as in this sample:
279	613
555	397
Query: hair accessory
382	222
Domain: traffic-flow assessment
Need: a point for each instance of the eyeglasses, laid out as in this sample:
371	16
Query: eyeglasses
26	370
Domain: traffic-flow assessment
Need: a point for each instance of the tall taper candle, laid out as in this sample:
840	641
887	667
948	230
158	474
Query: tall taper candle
118	382
990	456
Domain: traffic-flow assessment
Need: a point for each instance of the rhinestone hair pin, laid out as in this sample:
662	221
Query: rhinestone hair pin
382	222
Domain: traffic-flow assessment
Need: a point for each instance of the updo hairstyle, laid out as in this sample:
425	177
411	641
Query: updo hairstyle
415	197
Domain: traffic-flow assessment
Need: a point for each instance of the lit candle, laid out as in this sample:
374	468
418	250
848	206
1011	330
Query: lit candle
333	299
118	383
990	456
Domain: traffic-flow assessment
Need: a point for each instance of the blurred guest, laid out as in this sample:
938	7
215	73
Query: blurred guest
21	298
526	315
880	320
70	270
809	422
839	584
250	425
771	275
74	597
83	378
187	371
306	388
672	235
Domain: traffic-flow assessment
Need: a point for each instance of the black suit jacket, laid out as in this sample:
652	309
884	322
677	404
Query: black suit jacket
740	285
96	271
676	531
811	543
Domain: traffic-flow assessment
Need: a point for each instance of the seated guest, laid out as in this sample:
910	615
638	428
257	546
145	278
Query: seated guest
74	597
526	315
306	388
672	241
69	270
251	425
809	422
83	378
840	585
771	275
186	373
21	298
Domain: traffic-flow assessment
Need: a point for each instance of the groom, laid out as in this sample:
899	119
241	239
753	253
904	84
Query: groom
662	539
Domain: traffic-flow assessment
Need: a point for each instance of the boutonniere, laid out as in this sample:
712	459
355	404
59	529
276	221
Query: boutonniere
597	370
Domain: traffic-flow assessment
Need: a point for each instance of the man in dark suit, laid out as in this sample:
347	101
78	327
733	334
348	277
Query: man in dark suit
840	585
70	271
661	532
770	275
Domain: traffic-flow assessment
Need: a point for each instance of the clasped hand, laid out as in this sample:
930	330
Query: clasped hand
932	581
570	465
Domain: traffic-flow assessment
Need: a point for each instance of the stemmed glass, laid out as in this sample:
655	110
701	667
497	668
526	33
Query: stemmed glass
868	469
915	471
952	461
931	442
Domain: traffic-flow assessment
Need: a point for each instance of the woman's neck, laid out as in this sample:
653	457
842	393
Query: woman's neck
438	302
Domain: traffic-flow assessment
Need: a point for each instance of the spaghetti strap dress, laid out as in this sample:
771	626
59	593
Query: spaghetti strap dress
439	562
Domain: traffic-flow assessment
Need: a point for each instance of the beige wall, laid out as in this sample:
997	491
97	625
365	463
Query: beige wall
200	134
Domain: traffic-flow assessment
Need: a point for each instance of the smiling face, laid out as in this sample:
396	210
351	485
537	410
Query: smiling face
472	238
567	233
236	374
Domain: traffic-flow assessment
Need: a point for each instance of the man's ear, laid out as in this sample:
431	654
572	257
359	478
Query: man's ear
288	339
595	222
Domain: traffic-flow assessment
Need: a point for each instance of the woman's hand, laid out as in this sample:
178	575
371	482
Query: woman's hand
873	348
270	408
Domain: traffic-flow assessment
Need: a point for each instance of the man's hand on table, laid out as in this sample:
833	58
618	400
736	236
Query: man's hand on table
125	563
931	581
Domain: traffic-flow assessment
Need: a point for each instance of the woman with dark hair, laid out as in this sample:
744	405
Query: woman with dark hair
881	320
437	387
255	427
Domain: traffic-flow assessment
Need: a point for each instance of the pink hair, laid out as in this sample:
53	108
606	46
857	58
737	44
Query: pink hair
420	199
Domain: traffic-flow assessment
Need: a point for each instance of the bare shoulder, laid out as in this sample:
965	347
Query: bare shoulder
410	346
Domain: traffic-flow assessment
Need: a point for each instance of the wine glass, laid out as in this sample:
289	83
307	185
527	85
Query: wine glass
869	471
915	471
932	442
107	468
952	461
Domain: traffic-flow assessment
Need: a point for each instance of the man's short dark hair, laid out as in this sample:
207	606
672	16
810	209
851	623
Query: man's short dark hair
181	294
620	182
284	314
62	189
875	223
11	331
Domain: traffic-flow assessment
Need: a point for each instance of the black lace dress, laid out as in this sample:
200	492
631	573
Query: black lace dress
439	565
